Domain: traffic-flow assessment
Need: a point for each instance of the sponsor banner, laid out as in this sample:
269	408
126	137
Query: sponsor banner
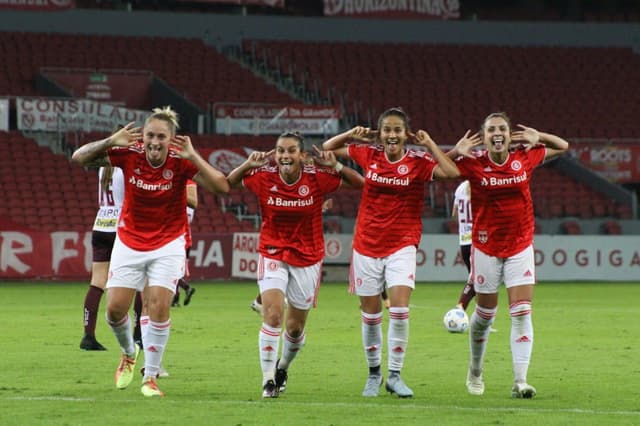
245	255
4	115
67	255
255	119
130	89
50	115
558	258
393	9
616	161
210	256
45	5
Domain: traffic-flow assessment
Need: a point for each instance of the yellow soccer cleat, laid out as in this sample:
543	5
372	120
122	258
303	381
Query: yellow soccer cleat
150	388
124	373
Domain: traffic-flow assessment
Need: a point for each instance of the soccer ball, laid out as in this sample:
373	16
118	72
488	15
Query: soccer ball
456	321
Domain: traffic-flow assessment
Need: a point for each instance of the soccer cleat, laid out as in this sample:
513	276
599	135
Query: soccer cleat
187	296
162	373
281	378
270	390
256	307
124	373
397	386
150	388
523	390
475	384
372	386
89	343
175	303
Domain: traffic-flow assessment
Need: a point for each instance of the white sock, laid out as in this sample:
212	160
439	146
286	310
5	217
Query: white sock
268	344
521	338
398	337
144	328
372	338
291	346
155	341
479	329
122	330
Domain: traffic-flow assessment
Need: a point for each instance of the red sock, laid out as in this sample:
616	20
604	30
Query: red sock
467	294
91	306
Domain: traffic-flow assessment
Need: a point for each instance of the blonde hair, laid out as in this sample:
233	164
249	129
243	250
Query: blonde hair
165	114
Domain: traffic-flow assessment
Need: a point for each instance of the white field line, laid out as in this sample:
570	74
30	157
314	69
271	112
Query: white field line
401	406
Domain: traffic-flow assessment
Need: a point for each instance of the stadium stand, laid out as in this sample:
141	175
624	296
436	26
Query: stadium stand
453	93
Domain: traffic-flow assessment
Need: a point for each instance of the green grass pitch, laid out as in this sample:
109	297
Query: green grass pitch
585	366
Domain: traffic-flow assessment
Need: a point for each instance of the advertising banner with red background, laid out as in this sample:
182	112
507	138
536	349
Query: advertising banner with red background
45	5
618	161
393	9
129	88
66	255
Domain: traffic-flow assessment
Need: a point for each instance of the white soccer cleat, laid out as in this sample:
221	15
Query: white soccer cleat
256	307
475	384
523	390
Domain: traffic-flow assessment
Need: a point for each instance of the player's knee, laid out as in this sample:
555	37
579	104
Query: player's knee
520	309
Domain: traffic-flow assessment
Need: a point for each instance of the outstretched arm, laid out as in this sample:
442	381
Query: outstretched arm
255	159
531	137
445	168
338	142
95	152
210	178
350	178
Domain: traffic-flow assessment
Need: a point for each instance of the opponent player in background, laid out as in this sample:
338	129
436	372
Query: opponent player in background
387	233
462	211
192	205
291	247
110	198
502	247
150	243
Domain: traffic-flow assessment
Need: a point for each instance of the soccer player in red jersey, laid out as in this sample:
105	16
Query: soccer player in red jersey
388	231
291	248
150	242
503	226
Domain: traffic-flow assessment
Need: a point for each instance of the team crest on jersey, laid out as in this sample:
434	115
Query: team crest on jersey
483	237
273	266
167	174
403	169
516	165
303	190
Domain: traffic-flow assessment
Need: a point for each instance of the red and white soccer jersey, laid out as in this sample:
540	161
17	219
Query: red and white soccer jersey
292	213
503	218
155	198
389	217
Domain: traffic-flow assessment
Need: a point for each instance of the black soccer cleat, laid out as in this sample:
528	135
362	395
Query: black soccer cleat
281	378
89	343
188	294
270	390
